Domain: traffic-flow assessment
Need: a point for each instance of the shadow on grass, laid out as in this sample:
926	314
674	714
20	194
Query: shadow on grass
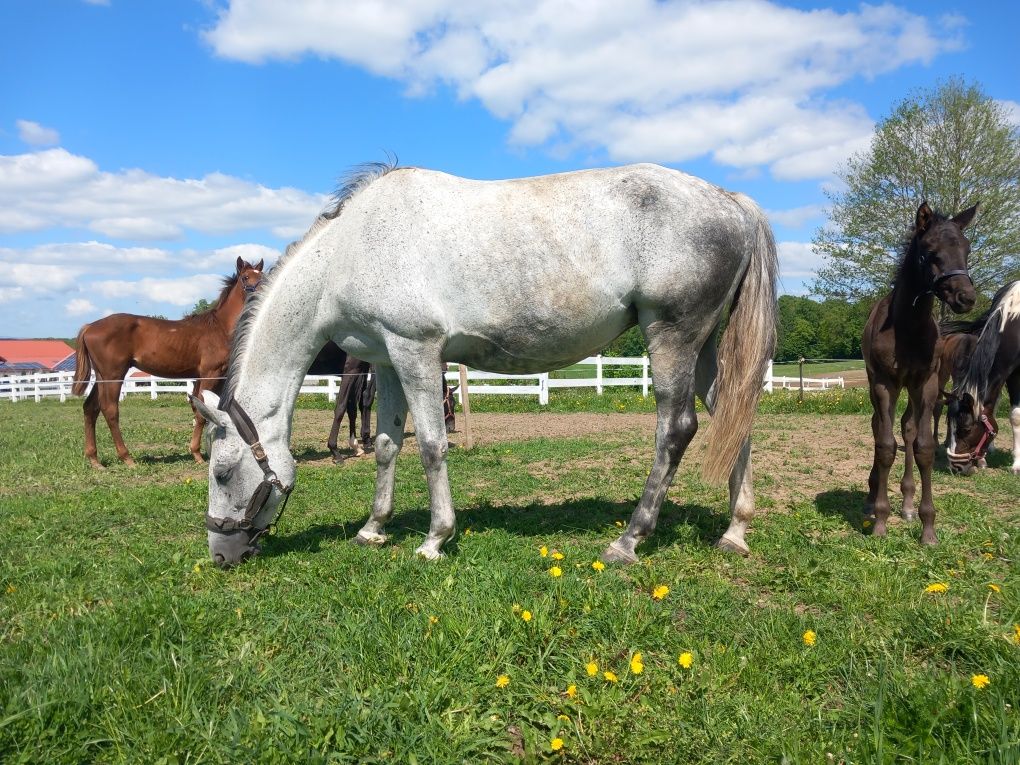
164	459
676	522
848	504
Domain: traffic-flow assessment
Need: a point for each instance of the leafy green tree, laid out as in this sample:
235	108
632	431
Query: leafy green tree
201	306
953	146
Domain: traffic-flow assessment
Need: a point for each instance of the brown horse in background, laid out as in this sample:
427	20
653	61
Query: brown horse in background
901	347
197	346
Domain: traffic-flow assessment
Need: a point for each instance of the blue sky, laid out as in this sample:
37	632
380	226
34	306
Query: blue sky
145	145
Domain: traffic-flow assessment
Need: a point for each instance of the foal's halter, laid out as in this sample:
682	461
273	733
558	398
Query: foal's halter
941	278
961	459
246	429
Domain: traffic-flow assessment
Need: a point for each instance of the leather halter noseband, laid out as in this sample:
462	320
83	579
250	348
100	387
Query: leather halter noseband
246	429
941	278
964	458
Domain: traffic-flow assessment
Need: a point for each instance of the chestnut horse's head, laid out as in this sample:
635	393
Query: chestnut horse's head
940	251
249	276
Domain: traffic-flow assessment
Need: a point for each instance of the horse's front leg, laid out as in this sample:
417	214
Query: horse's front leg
389	439
922	399
416	367
908	428
195	447
1013	387
883	401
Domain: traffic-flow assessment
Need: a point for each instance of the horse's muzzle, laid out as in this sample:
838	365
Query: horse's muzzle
231	548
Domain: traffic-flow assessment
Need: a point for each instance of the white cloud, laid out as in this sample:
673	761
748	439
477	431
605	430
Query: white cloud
35	134
738	80
33	277
1011	110
54	188
796	217
80	307
182	291
797	260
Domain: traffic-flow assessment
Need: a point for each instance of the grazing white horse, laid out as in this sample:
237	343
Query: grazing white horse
413	268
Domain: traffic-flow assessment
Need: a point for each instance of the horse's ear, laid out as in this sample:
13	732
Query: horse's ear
924	218
258	266
963	219
208	406
240	264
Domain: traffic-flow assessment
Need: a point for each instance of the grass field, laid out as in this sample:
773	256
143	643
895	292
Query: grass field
816	369
119	642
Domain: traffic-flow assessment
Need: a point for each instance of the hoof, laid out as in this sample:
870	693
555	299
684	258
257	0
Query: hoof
97	464
429	554
879	530
928	538
369	539
128	461
199	459
614	554
909	516
733	545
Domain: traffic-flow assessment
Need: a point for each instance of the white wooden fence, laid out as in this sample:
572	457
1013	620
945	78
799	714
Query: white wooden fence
58	384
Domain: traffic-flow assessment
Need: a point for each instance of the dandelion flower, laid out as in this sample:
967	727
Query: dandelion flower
987	556
809	638
543	551
994	587
556	744
433	620
636	665
572	690
591	668
1016	634
865	524
686	660
502	681
598	565
555	571
936	588
11	589
610	676
619	524
980	681
564	718
557	555
526	615
660	592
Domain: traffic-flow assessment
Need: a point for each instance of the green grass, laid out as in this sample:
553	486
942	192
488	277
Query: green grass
120	643
792	368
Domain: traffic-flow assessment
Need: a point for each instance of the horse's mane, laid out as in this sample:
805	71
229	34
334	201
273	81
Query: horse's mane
352	182
1005	306
207	315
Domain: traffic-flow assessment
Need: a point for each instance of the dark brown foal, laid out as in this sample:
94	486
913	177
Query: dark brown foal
197	346
901	346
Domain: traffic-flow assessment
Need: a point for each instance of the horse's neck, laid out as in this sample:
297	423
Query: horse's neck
912	303
228	312
282	339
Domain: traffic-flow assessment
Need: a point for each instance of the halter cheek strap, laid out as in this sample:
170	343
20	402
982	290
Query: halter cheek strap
941	278
249	434
963	458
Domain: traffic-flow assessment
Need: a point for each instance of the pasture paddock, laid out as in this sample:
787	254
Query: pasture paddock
120	641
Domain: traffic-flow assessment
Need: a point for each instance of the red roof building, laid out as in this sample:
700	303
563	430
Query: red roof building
33	355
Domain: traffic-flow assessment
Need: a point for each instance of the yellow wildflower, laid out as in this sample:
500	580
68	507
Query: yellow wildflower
516	608
619	524
1016	634
11	589
543	551
937	588
571	691
636	665
564	718
987	556
526	615
433	620
556	744
555	571
686	660
980	681
557	555
468	532
994	587
598	565
502	681
592	668
610	676
865	524
809	638
660	592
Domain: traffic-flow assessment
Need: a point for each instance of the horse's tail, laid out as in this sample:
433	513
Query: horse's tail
82	365
746	348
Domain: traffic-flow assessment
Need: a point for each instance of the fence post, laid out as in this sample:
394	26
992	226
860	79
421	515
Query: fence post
38	394
598	374
801	395
768	378
465	406
331	389
543	389
644	377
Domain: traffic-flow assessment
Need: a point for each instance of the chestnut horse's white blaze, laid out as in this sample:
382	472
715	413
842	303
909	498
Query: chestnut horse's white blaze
413	268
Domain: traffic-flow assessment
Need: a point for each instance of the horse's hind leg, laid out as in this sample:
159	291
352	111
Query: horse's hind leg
1013	387
922	401
741	490
352	417
883	401
388	440
109	402
908	427
195	447
91	409
677	422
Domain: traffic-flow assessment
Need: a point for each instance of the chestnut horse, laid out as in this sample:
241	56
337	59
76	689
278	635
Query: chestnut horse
197	346
901	347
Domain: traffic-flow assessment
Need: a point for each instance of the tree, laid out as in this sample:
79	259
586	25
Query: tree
201	306
952	146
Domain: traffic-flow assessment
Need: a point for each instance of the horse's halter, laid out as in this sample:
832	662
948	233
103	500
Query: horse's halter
246	429
962	459
250	288
923	261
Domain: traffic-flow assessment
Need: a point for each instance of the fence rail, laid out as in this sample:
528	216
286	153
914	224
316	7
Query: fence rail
593	370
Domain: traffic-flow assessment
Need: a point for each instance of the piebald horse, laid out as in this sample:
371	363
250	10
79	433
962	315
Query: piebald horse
536	274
